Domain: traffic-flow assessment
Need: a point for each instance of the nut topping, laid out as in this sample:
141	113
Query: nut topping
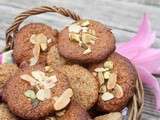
40	42
41	82
118	91
107	96
81	33
108	81
112	81
63	100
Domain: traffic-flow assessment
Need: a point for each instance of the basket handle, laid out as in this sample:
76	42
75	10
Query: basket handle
24	15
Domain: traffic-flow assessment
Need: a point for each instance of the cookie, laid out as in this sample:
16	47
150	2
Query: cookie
86	41
32	42
5	114
54	58
74	112
6	71
34	93
85	86
117	77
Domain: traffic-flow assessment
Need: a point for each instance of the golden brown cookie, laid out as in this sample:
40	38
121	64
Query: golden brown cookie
83	83
117	77
5	114
74	112
33	37
86	41
54	58
6	71
35	93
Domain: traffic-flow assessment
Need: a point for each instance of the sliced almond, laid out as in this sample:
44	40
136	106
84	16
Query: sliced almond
29	79
87	38
33	61
43	94
112	81
30	94
103	89
94	73
100	78
84	23
33	39
118	91
60	113
85	29
49	82
74	37
41	38
63	100
99	69
43	46
74	28
107	96
38	75
48	69
87	51
106	75
108	64
36	52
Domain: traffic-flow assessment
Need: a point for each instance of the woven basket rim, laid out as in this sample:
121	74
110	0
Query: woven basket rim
136	104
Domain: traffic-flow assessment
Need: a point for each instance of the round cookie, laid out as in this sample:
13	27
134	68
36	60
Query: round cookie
5	114
6	71
74	112
117	77
86	41
54	58
24	42
33	100
85	86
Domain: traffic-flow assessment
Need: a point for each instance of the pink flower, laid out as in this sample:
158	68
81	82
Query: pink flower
145	58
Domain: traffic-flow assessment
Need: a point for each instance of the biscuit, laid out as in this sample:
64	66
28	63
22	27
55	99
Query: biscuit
85	86
93	45
33	107
126	77
23	47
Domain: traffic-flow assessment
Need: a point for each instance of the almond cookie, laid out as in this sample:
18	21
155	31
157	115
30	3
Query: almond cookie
35	92
86	41
117	77
85	86
74	112
32	43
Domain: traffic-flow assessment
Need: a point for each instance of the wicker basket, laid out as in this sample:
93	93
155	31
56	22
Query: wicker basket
136	104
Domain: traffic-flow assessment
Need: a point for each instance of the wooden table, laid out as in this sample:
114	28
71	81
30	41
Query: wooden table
122	16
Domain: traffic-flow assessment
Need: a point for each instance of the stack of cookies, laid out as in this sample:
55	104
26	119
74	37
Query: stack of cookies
74	74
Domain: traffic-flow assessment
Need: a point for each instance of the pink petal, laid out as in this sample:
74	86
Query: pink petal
151	82
149	59
144	39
